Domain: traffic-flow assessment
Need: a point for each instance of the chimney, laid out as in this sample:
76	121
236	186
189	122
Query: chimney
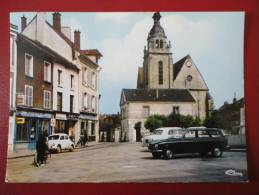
23	23
57	21
77	39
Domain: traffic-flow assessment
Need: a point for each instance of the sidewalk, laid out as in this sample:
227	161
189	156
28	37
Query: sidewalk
26	153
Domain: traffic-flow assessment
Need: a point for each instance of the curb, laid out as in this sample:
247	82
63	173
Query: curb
28	155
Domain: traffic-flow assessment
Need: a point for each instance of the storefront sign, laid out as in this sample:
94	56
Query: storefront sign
33	114
72	117
20	99
20	120
61	117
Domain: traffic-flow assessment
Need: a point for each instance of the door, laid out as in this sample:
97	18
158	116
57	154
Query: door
189	144
203	140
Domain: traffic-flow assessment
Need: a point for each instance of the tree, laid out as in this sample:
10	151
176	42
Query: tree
155	121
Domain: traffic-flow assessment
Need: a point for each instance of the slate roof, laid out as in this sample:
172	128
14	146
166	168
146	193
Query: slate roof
159	95
178	65
157	30
55	55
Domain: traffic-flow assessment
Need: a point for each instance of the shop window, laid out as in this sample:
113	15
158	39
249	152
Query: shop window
47	99
93	128
28	65
28	95
47	71
22	131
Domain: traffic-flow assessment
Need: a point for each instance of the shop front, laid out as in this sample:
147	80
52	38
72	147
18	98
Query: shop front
29	125
88	126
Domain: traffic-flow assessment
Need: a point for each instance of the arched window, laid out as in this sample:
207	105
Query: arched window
161	43
157	43
160	72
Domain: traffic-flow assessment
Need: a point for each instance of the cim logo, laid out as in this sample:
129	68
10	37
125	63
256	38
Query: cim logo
232	172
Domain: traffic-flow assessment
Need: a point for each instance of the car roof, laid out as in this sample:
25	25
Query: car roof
197	128
58	134
169	128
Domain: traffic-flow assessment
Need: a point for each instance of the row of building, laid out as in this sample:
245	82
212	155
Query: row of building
53	83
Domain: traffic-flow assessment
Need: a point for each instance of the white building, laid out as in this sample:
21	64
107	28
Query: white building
163	87
12	95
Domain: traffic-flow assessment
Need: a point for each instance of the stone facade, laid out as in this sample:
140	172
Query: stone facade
160	73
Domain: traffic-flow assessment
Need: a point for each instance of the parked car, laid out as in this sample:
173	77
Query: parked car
60	141
194	140
162	134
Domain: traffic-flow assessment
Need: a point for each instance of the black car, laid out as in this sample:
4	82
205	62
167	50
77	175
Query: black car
195	140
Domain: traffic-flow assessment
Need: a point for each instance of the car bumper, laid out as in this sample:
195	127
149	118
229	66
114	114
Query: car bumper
157	151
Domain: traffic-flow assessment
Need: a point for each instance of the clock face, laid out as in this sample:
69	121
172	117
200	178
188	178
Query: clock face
189	63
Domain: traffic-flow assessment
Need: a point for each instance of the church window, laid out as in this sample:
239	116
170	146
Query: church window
161	43
189	78
146	111
157	43
160	73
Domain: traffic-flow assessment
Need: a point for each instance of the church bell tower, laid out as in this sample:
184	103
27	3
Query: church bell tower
158	63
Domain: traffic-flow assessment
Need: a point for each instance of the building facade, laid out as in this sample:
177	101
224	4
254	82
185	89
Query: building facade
49	90
163	87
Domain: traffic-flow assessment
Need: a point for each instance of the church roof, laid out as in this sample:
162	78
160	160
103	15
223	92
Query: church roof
159	95
178	65
157	30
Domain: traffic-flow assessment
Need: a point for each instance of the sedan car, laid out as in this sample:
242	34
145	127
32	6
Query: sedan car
194	140
162	134
60	141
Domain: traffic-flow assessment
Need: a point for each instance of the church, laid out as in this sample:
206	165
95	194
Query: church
163	87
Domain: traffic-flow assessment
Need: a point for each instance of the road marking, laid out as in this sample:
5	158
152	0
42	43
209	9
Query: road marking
129	166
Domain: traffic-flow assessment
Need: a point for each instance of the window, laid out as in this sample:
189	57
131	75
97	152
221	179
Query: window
72	81
59	101
71	103
47	71
157	44
189	78
28	95
84	75
93	103
22	131
59	77
146	111
47	99
161	43
92	128
62	137
215	133
93	79
85	100
190	134
160	72
28	65
202	133
176	110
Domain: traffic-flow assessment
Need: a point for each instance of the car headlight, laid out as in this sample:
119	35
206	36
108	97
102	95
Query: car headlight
156	145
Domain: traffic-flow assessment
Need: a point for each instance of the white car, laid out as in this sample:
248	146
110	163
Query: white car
60	141
163	133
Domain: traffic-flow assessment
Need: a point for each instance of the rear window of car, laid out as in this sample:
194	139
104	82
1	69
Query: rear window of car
215	133
175	132
190	134
53	137
158	131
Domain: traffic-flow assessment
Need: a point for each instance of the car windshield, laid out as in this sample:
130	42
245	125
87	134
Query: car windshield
53	137
158	131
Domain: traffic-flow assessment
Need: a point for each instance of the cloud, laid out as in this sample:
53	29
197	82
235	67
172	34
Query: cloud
116	17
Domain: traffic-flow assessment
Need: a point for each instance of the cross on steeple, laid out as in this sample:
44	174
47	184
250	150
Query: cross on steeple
156	17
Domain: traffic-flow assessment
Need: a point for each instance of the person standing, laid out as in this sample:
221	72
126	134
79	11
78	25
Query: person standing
41	148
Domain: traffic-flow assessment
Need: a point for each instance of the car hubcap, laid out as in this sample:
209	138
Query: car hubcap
169	154
217	151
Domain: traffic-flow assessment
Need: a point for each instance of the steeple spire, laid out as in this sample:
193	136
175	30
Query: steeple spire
156	17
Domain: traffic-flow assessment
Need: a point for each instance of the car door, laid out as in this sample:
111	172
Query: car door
62	142
189	143
67	143
203	140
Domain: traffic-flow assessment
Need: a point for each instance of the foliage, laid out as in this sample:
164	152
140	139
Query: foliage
155	121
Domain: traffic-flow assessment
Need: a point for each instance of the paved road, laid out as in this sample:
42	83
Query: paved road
126	162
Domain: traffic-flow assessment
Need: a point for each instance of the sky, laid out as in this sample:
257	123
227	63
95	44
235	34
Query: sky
214	40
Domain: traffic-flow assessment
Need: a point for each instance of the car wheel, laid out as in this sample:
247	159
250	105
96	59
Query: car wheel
156	155
217	152
168	154
71	148
59	149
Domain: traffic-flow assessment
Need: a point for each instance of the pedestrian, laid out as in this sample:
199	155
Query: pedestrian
85	139
41	148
